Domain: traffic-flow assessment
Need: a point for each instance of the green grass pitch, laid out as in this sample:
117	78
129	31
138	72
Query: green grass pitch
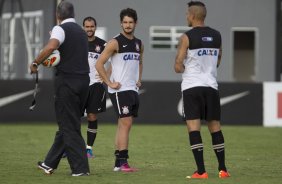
160	152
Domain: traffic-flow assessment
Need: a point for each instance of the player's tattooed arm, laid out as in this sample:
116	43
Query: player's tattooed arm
182	47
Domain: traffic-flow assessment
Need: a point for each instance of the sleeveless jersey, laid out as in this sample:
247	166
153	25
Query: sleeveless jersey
201	60
125	63
95	47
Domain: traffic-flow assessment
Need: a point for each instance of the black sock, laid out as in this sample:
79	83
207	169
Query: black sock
117	163
198	150
92	132
218	147
123	156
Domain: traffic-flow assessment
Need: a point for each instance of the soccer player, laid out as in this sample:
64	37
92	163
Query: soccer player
126	52
96	102
198	56
71	90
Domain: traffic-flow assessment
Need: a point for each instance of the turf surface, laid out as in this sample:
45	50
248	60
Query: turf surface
160	152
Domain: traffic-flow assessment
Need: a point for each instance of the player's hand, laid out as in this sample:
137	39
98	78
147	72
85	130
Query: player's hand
115	85
139	84
33	68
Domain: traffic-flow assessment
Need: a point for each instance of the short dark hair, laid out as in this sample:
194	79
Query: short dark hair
196	3
65	10
89	19
201	11
128	12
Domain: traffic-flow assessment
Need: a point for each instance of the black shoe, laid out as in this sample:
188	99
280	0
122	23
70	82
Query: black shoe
80	174
48	170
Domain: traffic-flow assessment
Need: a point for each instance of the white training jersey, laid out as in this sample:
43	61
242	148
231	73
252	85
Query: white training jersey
125	64
201	60
96	47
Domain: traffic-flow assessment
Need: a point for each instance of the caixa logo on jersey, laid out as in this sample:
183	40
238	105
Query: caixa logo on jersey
93	55
127	57
208	52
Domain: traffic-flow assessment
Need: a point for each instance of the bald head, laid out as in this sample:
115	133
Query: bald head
198	10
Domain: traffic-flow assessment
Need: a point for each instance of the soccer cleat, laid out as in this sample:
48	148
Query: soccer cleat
223	174
90	153
196	175
48	170
80	174
126	168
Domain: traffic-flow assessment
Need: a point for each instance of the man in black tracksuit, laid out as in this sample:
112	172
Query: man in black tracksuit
71	90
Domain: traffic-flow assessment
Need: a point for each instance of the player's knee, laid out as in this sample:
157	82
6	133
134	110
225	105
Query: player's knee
91	117
214	126
125	122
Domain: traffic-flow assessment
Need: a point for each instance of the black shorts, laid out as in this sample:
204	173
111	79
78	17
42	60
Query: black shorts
96	101
125	103
201	103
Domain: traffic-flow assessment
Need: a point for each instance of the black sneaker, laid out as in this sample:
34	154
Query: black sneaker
80	174
48	170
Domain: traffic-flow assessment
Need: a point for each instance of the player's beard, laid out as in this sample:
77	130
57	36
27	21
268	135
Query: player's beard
90	35
128	31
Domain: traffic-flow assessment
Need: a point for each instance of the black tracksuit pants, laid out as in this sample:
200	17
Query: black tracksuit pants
71	93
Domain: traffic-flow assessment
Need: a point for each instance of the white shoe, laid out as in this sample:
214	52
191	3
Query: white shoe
116	169
80	174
